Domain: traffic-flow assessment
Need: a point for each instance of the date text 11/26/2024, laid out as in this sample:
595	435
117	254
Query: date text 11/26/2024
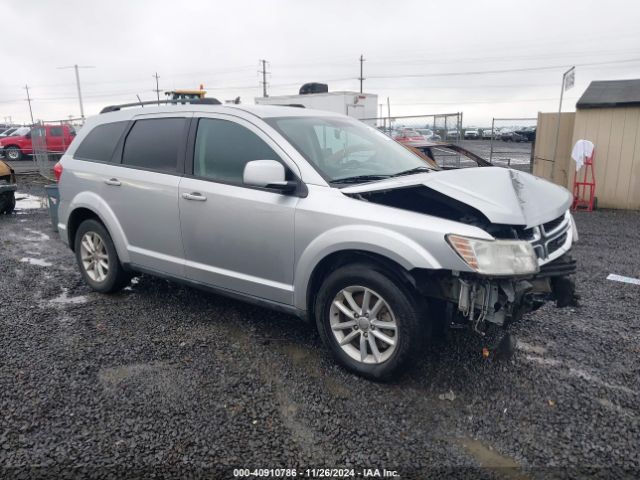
315	473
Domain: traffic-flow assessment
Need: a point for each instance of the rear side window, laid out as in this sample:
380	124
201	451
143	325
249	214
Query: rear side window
56	131
101	141
154	144
223	148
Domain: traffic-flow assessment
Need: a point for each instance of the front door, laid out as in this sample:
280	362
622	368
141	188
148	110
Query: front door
236	237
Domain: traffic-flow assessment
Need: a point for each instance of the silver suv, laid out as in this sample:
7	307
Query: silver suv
317	215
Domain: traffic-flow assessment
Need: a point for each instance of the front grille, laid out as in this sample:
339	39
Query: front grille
553	224
549	237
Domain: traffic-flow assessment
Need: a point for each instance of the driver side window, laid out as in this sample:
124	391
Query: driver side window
223	148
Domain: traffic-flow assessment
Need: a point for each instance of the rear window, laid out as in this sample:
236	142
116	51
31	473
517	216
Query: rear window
101	141
154	144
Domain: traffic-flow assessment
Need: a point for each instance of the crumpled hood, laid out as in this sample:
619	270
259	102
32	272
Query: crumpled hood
503	195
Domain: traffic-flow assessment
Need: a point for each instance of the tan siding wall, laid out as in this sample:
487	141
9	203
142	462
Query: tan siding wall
545	143
616	135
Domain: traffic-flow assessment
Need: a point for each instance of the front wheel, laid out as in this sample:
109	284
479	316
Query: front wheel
97	258
13	153
368	320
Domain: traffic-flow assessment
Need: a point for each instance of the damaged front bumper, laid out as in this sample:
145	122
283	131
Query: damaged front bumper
476	301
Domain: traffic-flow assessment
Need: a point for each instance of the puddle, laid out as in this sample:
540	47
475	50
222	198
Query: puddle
25	201
488	457
36	261
64	299
37	236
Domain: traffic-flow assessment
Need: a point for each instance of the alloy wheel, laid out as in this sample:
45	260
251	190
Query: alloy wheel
363	324
95	259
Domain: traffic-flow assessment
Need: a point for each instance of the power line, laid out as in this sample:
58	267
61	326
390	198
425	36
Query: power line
509	70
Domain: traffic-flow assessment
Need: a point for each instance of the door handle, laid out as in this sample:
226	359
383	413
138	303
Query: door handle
113	181
197	196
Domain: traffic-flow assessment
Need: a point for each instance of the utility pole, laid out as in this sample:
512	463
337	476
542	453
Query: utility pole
76	67
264	78
157	90
361	78
26	87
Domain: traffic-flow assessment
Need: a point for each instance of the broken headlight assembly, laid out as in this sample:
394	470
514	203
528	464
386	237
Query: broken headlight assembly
495	257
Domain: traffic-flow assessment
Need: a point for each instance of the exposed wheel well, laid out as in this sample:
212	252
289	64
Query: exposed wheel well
78	216
345	257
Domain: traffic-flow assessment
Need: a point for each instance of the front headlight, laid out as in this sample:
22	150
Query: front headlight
496	257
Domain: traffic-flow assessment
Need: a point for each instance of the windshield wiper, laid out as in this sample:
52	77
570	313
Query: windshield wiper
360	179
412	171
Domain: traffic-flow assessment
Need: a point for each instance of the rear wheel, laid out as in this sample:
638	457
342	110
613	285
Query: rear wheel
13	153
97	258
368	320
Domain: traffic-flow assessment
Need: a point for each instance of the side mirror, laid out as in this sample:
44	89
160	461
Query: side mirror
27	135
267	174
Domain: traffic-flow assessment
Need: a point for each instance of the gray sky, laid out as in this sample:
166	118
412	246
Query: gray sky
421	54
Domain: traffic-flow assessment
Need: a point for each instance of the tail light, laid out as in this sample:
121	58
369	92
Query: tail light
57	171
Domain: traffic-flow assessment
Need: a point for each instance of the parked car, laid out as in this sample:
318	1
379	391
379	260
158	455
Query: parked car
452	134
428	134
487	133
407	135
471	134
508	135
529	133
315	214
56	139
7	132
7	188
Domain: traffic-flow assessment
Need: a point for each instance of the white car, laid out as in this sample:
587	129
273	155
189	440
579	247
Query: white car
471	133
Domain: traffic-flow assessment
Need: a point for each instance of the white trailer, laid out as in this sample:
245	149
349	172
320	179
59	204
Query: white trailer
353	104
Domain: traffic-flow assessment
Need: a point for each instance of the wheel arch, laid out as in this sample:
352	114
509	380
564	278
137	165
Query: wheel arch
390	250
88	205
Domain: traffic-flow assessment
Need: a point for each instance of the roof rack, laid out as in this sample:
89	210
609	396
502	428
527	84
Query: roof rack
200	101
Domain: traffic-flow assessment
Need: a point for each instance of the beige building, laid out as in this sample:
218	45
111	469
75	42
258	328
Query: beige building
608	114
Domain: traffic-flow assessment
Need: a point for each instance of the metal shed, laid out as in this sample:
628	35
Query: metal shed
608	114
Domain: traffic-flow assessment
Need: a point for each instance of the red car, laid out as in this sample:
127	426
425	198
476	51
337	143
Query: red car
407	135
52	138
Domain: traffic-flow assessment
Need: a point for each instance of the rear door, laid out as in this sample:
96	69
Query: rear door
142	191
236	237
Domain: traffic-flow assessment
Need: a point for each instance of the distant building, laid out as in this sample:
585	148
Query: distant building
353	104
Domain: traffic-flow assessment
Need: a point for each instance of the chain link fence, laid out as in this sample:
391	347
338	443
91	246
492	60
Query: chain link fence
50	139
434	127
511	142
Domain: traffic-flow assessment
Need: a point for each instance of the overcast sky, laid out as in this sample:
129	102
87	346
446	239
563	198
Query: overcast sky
426	56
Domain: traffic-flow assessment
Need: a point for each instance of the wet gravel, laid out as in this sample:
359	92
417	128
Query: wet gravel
165	380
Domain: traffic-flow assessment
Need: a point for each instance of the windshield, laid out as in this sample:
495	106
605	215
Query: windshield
21	131
342	148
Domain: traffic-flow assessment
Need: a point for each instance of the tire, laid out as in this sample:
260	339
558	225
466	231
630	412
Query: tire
400	308
13	153
103	277
7	203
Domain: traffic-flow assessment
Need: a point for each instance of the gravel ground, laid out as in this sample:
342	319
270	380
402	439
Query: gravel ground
165	380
